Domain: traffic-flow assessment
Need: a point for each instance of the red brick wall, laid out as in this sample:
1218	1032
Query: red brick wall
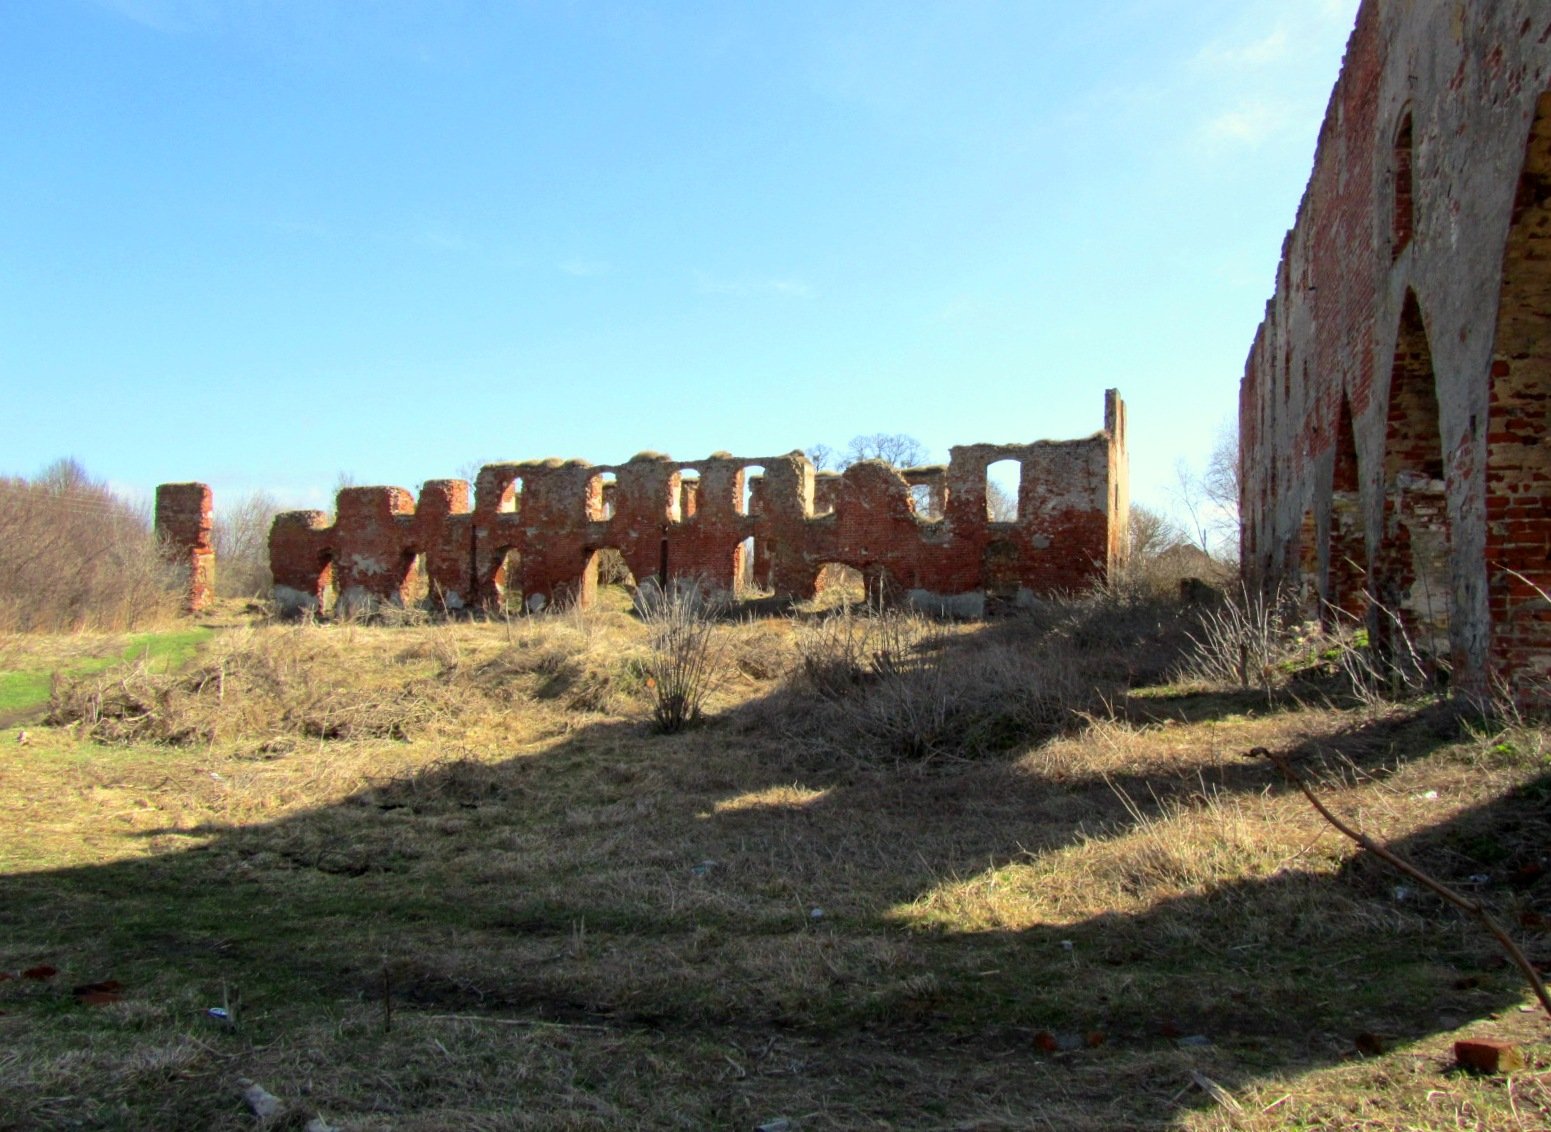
1070	527
183	525
1412	296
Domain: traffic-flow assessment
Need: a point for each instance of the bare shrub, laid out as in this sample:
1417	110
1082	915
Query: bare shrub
896	686
687	657
240	536
73	556
274	683
841	652
1245	640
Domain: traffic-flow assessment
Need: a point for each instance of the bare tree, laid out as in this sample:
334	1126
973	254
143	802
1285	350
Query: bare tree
1210	496
1001	504
893	448
74	555
240	536
822	457
1151	533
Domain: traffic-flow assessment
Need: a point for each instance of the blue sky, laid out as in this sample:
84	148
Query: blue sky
263	242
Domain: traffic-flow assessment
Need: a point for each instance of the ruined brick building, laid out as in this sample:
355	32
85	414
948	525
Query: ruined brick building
540	528
1393	412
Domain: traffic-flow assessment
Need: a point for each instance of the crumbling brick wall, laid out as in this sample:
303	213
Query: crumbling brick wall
538	528
183	527
1393	407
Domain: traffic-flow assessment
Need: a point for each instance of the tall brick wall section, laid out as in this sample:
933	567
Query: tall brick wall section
183	526
538	527
1415	283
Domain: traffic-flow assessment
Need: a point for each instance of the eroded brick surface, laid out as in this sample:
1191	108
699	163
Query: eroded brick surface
538	528
1393	408
183	526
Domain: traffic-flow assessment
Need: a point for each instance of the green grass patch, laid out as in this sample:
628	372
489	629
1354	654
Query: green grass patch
26	689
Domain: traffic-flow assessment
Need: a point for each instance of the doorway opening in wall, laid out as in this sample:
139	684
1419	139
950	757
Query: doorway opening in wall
601	496
1004	483
838	585
328	584
508	582
751	489
1413	582
686	500
607	582
406	588
751	570
416	588
1002	568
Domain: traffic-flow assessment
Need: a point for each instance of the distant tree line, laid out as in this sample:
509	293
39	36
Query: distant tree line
75	555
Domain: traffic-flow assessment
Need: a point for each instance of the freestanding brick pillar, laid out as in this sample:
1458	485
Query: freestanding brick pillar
183	525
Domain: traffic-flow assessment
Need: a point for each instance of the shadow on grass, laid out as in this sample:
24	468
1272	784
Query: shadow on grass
706	888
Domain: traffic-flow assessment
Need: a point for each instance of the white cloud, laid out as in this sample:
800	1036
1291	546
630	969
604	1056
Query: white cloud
789	288
1257	53
1251	124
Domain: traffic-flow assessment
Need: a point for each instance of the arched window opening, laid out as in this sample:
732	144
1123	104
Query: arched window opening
687	499
511	498
601	496
1004	485
826	485
928	491
751	483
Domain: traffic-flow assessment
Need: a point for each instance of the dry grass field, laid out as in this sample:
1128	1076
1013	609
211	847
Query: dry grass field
899	875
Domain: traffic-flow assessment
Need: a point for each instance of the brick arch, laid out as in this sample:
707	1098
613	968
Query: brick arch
1518	464
1411	566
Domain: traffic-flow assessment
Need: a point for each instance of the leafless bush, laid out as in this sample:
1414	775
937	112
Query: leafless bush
1374	675
896	686
840	653
1244	640
687	657
73	555
263	683
240	536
